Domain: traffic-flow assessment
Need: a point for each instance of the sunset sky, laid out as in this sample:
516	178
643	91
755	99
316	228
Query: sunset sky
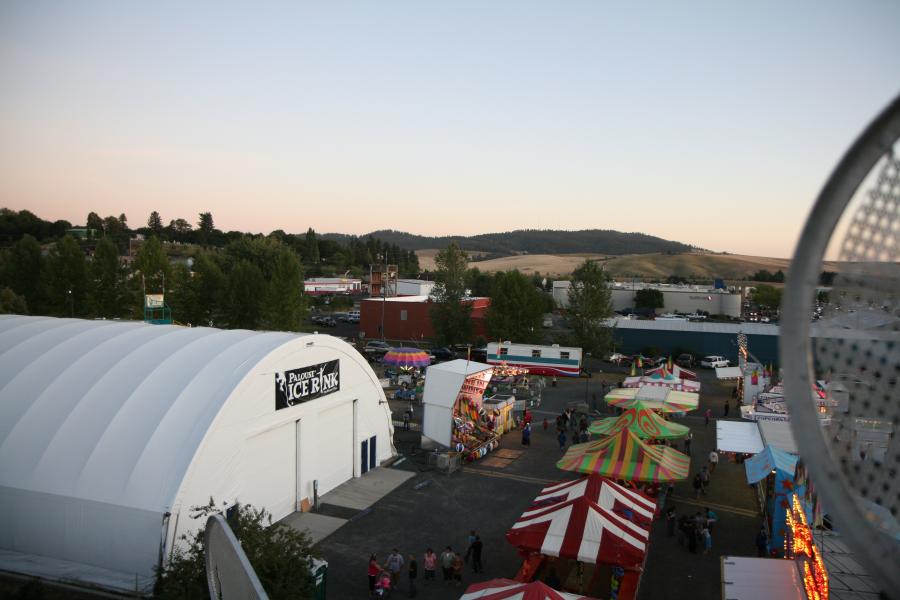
712	123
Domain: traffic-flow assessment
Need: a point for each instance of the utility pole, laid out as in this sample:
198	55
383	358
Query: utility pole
384	275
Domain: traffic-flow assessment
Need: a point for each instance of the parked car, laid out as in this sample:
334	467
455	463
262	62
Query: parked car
327	322
685	360
618	358
442	353
548	322
654	361
353	316
713	362
376	348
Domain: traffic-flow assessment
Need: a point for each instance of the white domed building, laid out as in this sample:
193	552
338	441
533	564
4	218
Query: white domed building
111	431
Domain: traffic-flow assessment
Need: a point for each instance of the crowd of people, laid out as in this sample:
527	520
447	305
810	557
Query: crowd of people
385	577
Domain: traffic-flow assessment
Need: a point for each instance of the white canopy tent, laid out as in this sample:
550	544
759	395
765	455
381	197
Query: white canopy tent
443	382
745	578
778	434
738	436
111	431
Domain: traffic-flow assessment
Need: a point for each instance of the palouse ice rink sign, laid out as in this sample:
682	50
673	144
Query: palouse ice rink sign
307	383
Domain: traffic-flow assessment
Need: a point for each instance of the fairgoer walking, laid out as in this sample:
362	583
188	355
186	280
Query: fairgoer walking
713	461
413	572
447	557
707	416
526	435
687	443
429	565
477	547
762	543
727	407
704	478
698	485
561	438
393	566
670	522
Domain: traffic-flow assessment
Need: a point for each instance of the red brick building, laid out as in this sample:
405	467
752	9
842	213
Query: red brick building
409	318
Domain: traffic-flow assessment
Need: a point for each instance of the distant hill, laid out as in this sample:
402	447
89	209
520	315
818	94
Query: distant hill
534	241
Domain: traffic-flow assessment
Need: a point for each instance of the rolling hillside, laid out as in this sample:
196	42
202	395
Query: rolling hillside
533	241
644	266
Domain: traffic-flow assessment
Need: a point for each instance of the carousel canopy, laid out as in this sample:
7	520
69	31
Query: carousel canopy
407	357
674	370
625	456
606	493
507	589
653	397
580	529
643	421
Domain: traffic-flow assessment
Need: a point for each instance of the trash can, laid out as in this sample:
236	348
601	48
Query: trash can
319	570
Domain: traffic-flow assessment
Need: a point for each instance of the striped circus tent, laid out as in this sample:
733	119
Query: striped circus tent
625	456
655	398
606	493
674	370
580	529
509	589
643	421
662	377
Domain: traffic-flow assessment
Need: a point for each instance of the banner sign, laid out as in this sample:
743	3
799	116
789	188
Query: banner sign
307	383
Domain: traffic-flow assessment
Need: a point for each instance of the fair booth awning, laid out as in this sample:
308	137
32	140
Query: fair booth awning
778	434
725	373
746	578
738	436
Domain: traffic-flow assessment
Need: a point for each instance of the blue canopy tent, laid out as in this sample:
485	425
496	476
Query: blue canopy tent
778	491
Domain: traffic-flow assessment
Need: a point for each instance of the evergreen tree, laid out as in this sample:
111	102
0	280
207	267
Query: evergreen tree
205	228
516	308
450	316
284	304
154	223
107	281
67	280
649	298
242	297
312	250
589	304
24	273
11	303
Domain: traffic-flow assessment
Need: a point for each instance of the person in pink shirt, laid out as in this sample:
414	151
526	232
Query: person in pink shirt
429	564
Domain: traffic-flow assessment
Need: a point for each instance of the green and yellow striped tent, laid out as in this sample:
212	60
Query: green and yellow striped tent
643	421
625	456
654	398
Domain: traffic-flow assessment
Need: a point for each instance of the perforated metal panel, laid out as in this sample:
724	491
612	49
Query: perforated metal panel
850	438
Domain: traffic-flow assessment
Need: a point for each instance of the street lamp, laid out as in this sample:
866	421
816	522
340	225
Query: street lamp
71	303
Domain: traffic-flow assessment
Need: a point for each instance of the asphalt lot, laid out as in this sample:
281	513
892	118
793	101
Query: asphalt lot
435	510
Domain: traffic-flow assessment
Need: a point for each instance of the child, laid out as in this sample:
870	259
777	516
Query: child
383	585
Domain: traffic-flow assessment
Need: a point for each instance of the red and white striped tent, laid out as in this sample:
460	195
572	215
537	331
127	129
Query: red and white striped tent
580	529
662	379
606	493
508	589
677	371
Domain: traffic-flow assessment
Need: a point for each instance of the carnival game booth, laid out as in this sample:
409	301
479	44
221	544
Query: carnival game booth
111	432
657	398
589	530
508	589
454	416
498	412
662	378
642	421
772	471
738	440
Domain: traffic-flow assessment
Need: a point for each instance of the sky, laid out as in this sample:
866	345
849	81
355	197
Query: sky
711	123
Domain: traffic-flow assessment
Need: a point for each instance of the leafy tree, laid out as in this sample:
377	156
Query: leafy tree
450	316
179	230
589	304
11	303
649	298
516	308
107	280
67	279
312	249
284	304
154	223
767	296
153	265
95	222
205	228
242	297
278	553
206	288
24	271
479	283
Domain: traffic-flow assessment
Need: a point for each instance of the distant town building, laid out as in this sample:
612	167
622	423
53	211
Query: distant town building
414	287
409	317
685	299
332	286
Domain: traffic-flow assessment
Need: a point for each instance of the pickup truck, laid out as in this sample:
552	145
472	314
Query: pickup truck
713	362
